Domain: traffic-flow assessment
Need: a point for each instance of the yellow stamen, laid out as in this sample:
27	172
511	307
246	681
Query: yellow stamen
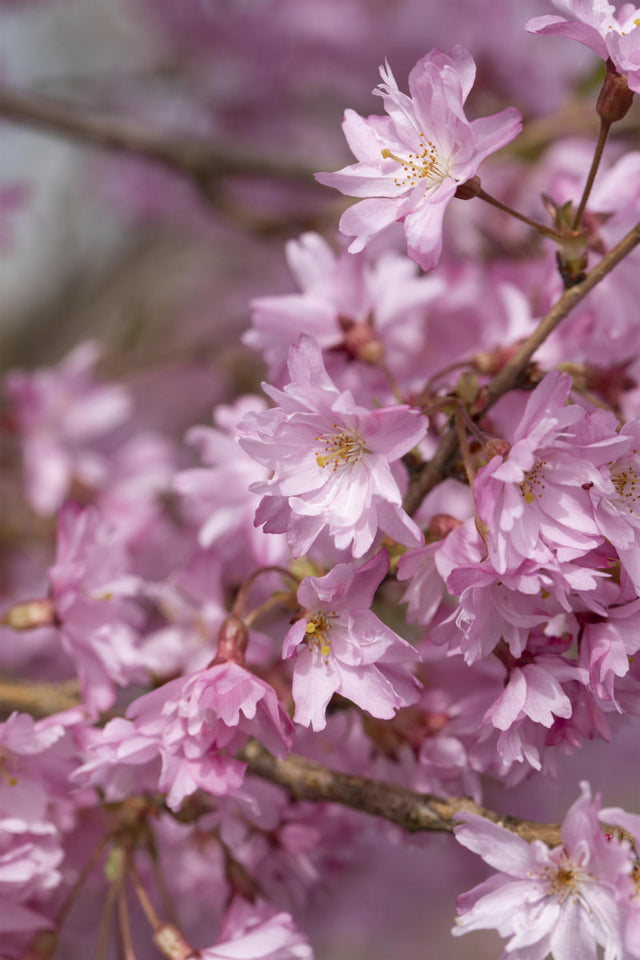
339	448
425	164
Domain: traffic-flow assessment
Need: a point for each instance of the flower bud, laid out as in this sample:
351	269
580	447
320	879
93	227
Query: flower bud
615	97
233	639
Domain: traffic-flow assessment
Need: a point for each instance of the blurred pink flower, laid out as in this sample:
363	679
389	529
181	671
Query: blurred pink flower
411	163
596	24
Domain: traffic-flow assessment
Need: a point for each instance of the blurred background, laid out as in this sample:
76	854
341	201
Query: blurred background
161	266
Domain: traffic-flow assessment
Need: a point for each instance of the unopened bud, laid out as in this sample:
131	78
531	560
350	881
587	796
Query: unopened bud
233	639
361	342
171	943
30	614
467	386
615	97
469	189
496	447
442	524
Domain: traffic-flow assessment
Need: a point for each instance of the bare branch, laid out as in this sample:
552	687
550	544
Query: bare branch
435	469
196	158
415	812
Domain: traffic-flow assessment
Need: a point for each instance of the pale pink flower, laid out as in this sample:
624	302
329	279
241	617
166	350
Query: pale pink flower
411	162
561	901
535	501
347	304
217	497
617	501
60	413
613	35
340	646
90	585
333	462
255	932
196	724
629	889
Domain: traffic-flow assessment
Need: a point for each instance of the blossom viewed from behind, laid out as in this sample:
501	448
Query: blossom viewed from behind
410	163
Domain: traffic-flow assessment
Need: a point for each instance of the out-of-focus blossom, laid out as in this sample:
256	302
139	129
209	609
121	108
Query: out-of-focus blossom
411	162
254	932
60	412
613	35
340	646
332	461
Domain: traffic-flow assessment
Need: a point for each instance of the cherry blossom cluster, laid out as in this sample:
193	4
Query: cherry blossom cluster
284	575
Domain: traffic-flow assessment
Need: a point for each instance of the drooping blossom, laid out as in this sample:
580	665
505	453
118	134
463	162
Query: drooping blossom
340	646
333	462
629	887
614	35
411	162
195	725
560	901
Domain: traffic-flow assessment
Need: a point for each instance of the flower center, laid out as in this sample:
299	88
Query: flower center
626	480
317	632
339	448
565	880
533	483
423	165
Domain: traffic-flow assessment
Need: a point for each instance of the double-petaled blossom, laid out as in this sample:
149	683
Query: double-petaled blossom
354	307
340	646
411	162
195	725
561	901
535	502
613	35
333	462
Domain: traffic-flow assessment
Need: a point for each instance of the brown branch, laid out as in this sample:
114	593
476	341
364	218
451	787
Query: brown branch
38	699
413	811
506	379
196	158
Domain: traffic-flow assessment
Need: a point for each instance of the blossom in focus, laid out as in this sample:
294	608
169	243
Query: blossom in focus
560	901
611	34
411	162
536	500
332	461
340	646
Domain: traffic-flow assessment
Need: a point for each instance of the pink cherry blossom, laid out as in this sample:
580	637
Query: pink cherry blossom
613	35
60	413
536	500
560	901
333	462
340	646
411	162
196	724
254	932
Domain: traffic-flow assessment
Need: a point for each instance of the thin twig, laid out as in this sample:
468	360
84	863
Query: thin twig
435	469
505	208
605	126
38	699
